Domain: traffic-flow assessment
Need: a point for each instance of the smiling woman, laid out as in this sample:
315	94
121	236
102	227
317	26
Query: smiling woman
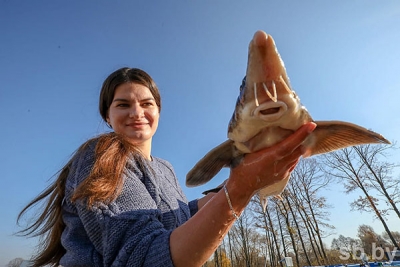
115	204
134	113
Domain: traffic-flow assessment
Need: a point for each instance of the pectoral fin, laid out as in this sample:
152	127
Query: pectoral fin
212	190
219	157
333	135
215	189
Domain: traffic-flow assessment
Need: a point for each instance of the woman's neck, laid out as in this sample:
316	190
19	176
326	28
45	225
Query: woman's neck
145	149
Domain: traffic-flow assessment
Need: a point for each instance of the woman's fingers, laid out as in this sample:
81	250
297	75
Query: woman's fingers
288	145
268	166
283	148
289	163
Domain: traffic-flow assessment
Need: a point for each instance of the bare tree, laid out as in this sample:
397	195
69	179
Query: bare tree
305	218
379	173
286	194
243	236
230	248
283	209
307	181
246	240
265	221
347	165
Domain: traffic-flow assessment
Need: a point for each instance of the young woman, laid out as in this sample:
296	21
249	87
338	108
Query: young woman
115	204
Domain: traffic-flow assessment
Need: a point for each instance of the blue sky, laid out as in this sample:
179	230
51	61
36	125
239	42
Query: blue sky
342	58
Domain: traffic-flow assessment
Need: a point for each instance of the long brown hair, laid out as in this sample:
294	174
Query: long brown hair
104	182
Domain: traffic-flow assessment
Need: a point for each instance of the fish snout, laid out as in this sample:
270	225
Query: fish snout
270	111
261	38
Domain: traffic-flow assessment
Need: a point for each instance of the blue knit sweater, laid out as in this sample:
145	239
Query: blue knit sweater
135	228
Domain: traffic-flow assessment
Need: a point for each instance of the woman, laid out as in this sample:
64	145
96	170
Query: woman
114	204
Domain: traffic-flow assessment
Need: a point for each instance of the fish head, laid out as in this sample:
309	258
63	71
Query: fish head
267	109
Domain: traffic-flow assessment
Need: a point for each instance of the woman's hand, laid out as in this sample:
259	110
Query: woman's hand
193	242
267	166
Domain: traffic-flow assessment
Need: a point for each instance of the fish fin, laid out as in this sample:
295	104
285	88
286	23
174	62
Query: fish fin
334	135
274	190
206	168
215	189
212	190
264	203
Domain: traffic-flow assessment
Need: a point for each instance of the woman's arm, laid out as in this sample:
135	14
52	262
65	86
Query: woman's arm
194	242
202	201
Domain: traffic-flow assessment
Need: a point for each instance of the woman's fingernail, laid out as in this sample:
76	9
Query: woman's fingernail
311	126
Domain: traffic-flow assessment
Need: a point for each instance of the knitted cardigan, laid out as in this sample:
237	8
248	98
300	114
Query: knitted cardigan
132	230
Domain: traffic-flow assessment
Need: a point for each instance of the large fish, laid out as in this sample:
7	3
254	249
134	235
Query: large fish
267	111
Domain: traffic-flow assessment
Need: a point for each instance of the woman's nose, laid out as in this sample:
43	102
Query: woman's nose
136	112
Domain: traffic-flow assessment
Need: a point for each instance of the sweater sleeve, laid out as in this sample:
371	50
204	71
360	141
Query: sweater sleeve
128	231
193	206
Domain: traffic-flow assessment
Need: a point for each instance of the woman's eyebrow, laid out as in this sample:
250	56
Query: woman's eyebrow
147	99
127	100
120	100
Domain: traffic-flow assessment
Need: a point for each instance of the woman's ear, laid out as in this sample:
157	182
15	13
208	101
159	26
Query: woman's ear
108	122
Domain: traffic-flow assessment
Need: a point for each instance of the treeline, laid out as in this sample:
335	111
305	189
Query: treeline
296	224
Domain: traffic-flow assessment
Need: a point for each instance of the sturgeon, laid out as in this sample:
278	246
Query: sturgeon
267	111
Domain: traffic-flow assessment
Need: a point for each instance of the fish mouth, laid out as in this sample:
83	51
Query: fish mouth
270	89
270	111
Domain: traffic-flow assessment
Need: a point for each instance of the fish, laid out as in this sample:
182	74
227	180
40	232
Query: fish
267	111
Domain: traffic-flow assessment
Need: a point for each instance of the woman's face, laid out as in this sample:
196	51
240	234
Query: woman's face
134	113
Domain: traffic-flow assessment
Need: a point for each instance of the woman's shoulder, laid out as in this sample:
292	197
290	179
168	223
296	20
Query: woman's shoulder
162	161
89	147
84	157
163	166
